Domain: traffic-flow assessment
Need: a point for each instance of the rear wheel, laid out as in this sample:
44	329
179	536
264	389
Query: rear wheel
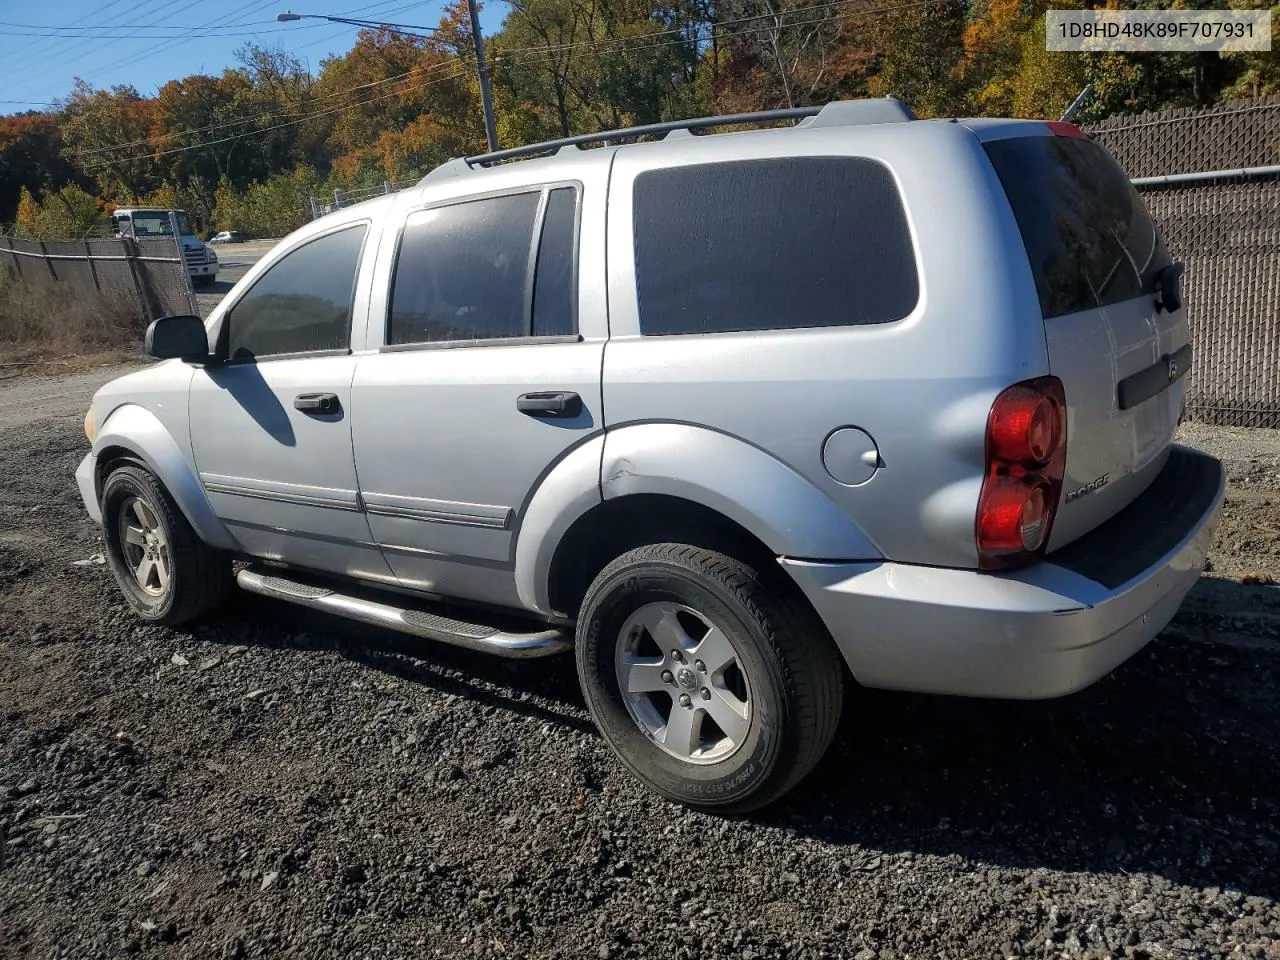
166	572
715	685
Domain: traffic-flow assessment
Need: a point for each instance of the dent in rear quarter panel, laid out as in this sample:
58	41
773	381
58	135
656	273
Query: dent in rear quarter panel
920	386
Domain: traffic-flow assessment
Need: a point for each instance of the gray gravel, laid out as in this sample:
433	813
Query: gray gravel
277	784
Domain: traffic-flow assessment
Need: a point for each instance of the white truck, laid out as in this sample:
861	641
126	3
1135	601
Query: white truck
142	222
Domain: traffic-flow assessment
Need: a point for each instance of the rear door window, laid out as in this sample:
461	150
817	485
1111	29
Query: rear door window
470	271
771	244
1088	235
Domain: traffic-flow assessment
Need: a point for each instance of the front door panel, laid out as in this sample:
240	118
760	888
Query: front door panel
283	479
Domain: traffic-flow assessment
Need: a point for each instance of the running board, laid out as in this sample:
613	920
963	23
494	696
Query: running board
418	623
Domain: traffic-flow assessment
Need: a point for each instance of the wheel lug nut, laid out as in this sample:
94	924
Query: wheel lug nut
685	701
667	677
706	694
677	656
702	667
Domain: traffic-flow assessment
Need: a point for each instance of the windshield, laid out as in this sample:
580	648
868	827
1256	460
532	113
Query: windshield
156	224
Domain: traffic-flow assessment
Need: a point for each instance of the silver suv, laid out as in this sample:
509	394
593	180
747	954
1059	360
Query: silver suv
739	417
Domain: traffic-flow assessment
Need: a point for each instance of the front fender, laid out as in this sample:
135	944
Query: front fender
136	431
749	486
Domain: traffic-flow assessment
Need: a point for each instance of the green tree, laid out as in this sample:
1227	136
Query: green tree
919	51
107	135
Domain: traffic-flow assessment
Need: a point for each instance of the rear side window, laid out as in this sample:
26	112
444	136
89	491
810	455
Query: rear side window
1089	237
771	244
465	271
555	286
302	303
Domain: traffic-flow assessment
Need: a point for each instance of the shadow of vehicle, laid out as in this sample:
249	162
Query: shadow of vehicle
1167	767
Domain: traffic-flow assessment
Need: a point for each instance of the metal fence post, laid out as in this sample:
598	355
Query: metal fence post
129	247
315	209
182	263
93	270
44	255
17	260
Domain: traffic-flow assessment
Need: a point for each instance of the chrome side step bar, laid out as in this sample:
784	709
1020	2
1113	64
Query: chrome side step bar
418	623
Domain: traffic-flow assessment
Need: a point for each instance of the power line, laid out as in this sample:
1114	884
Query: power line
236	122
53	64
210	143
724	23
153	50
232	123
36	53
684	39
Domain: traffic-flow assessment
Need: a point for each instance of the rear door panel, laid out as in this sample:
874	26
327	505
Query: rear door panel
447	462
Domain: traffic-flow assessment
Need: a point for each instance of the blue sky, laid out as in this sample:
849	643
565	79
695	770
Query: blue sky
146	43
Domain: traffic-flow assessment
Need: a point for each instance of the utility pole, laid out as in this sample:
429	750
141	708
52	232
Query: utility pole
482	68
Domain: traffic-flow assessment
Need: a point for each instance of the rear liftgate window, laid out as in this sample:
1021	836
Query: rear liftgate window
771	244
1089	237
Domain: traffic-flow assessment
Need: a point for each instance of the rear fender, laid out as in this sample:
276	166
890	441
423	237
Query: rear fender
743	483
137	433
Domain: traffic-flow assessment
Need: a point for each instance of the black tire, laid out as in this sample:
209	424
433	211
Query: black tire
795	674
199	577
205	281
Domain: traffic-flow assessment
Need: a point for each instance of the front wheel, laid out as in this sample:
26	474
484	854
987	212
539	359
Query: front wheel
717	688
166	572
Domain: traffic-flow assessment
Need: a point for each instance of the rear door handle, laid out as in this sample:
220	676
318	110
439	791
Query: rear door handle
552	403
317	403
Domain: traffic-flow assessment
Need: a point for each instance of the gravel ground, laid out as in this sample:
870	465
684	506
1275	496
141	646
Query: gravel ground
281	784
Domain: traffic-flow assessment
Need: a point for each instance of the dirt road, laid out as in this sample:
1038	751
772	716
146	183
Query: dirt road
277	784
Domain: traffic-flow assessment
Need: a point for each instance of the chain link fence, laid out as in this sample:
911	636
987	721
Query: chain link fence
1211	178
345	198
149	271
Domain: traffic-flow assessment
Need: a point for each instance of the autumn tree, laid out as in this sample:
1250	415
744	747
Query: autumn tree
30	156
918	50
106	134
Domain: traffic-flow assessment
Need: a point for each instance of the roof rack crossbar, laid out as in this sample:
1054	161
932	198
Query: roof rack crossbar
648	130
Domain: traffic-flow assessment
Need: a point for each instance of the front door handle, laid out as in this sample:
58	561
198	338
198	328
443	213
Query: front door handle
552	403
317	403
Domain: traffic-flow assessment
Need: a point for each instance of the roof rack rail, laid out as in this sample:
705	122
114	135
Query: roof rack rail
836	113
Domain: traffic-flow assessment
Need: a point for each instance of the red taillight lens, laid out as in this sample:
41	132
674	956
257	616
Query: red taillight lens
1026	455
1024	426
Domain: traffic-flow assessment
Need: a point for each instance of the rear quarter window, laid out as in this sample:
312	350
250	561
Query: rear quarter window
1089	238
771	244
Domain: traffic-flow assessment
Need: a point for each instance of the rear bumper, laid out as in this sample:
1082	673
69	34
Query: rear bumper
1042	632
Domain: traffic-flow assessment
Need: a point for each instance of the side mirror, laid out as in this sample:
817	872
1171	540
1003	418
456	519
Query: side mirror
182	337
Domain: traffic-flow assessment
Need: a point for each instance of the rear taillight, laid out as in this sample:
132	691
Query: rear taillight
1026	455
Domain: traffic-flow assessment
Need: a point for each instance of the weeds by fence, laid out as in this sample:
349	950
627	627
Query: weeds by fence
44	320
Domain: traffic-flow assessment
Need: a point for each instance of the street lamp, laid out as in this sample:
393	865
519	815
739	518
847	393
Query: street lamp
482	68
